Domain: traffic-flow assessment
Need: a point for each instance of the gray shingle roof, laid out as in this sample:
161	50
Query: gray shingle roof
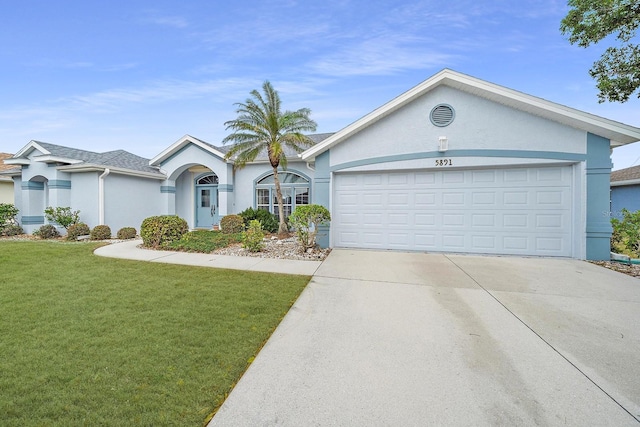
118	158
627	174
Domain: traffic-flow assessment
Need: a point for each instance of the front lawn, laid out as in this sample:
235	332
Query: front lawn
87	340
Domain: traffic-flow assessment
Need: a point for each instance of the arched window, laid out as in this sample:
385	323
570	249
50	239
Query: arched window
295	192
208	179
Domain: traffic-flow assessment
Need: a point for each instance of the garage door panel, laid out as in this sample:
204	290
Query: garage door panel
502	211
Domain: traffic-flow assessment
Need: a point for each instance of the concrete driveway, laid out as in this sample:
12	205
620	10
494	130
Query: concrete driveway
409	339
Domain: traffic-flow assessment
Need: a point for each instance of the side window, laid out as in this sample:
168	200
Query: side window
295	192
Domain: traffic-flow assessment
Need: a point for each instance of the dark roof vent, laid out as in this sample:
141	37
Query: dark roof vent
442	115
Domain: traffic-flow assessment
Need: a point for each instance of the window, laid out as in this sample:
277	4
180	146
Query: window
295	192
208	179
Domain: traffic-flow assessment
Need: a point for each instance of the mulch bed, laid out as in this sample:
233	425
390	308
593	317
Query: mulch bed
631	270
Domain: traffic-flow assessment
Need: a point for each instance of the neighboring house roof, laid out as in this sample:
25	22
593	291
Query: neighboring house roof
221	150
6	170
617	133
75	160
628	176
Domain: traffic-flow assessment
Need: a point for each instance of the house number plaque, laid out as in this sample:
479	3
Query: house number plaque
444	162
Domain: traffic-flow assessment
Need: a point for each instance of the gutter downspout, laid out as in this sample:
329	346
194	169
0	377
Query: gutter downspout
101	178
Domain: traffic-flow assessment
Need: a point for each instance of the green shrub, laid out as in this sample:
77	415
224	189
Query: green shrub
62	215
47	231
626	234
11	230
100	232
231	224
268	220
204	241
127	233
160	231
76	230
306	219
8	213
252	238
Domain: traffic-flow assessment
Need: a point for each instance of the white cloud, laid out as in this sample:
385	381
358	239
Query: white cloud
168	21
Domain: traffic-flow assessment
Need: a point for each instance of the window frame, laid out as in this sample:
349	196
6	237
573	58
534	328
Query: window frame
289	189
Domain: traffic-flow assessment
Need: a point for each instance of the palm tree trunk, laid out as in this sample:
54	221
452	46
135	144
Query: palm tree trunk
282	228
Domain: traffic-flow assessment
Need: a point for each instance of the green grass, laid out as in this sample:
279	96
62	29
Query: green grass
86	340
205	241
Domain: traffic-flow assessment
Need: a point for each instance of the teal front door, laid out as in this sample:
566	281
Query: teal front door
206	206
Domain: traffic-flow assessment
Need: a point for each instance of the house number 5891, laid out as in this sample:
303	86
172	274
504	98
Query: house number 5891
444	162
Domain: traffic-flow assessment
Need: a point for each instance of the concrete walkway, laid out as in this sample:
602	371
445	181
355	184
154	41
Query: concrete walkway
402	339
130	250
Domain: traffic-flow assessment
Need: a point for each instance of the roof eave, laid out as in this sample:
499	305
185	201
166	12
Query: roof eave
178	145
86	167
627	182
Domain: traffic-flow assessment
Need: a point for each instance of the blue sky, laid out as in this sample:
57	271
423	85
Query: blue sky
138	75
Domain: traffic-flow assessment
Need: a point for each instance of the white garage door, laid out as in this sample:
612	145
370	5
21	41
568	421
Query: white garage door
520	211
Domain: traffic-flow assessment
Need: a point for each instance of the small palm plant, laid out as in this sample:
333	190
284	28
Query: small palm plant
262	125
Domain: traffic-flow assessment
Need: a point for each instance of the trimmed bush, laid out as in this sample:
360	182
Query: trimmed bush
306	219
127	233
76	230
252	239
100	232
268	220
231	224
160	231
47	231
62	215
11	230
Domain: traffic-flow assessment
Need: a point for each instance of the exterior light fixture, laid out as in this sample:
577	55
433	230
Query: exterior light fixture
443	144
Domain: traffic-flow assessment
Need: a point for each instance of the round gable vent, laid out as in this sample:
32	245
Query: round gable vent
442	115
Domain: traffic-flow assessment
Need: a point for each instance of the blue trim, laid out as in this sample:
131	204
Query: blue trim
33	185
552	155
598	227
60	183
322	194
168	189
225	188
32	220
52	165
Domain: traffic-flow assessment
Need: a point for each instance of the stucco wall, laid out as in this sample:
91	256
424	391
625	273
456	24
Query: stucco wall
84	196
627	197
129	200
479	124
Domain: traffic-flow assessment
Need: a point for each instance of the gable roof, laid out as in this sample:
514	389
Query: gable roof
628	176
617	133
76	160
221	150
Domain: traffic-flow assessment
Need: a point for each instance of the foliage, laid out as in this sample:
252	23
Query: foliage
230	224
47	231
11	230
204	241
76	230
154	345
617	72
8	213
62	215
262	126
160	231
126	233
626	234
306	220
101	232
268	220
252	238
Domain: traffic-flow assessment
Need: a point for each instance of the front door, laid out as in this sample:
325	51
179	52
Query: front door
206	206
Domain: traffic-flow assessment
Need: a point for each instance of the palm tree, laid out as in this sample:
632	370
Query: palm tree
261	125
